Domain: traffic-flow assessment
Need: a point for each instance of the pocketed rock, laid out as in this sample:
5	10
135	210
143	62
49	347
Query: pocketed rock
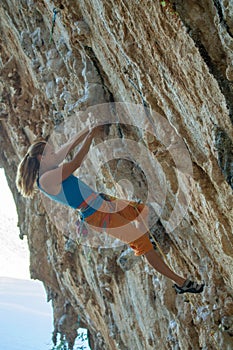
127	260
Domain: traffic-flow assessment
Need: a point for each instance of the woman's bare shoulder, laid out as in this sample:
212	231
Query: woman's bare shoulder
50	181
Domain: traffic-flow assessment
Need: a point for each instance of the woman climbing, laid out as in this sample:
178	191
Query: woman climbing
122	219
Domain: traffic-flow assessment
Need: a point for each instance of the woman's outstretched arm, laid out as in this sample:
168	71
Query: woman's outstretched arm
70	145
69	167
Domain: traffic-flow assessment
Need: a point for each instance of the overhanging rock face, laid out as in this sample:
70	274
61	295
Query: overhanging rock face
175	61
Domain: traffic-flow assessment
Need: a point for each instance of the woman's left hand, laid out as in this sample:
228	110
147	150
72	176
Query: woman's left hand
95	131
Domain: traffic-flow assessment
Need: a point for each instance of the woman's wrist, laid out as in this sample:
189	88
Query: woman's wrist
94	132
77	139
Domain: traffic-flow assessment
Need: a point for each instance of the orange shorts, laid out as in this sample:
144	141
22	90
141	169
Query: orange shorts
124	220
141	245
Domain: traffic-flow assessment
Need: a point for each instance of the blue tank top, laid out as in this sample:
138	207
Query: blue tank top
73	193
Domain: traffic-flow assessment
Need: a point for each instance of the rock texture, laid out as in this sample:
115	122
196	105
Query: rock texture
175	58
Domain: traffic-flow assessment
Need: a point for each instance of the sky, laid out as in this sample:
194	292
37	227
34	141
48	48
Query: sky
26	318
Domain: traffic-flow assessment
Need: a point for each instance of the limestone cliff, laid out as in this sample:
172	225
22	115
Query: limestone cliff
175	59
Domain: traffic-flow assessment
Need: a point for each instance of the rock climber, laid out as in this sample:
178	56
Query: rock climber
43	168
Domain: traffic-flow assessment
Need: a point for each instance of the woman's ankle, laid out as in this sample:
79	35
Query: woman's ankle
180	281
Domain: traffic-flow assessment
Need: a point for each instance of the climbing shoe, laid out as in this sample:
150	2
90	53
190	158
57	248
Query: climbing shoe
189	287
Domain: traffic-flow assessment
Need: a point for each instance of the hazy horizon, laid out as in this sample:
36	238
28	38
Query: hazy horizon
26	318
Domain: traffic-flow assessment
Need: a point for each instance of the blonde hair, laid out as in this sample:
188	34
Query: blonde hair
28	169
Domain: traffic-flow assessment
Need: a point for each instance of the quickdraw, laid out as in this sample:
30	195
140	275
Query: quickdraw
55	12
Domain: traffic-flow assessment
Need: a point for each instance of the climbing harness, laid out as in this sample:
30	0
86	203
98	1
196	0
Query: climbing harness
81	228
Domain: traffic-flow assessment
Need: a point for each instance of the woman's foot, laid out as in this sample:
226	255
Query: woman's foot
189	287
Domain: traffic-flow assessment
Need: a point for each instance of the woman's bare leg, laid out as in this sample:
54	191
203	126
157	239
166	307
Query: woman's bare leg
154	258
159	265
